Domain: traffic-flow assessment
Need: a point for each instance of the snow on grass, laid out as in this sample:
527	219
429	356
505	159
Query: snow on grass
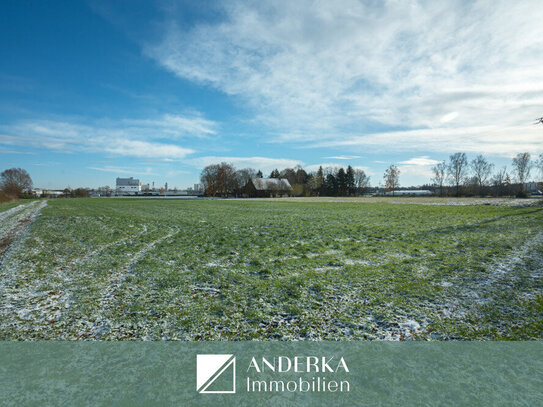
127	269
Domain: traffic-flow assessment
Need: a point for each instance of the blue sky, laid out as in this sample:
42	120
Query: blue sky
94	90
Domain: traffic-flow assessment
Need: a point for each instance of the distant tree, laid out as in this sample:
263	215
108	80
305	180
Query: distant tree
301	176
440	173
298	190
275	174
498	180
458	165
243	176
540	165
228	181
289	174
522	164
481	169
15	181
350	180
80	193
209	178
392	178
507	183
219	179
330	185
259	174
317	182
361	181
341	178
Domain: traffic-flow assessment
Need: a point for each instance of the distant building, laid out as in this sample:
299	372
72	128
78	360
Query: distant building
266	187
52	193
414	192
533	187
128	185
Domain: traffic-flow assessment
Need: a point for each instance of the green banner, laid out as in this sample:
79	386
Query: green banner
271	373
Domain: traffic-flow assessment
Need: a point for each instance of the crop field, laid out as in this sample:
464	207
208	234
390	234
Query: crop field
145	269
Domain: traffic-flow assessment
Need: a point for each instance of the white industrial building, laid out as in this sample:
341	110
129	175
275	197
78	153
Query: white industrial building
128	185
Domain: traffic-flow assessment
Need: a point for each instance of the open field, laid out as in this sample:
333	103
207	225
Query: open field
270	270
428	200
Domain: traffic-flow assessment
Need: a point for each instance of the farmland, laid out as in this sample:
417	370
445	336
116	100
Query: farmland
129	269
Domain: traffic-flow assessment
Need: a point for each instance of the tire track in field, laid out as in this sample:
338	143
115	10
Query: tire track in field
505	271
502	275
14	222
95	252
13	211
27	308
102	325
14	226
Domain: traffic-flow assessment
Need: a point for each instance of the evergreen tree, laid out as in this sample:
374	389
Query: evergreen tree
341	182
351	186
330	185
319	182
274	173
259	174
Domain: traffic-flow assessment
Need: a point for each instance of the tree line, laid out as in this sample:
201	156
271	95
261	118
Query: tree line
225	180
459	176
456	177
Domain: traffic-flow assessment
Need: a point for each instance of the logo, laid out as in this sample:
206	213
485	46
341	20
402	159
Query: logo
215	374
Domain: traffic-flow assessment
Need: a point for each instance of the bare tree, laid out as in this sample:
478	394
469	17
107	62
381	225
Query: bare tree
481	171
392	178
361	181
498	180
209	178
457	167
219	179
440	173
523	165
244	175
316	181
540	164
15	181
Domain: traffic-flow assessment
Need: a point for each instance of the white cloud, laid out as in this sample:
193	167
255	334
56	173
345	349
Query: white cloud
132	138
420	161
264	164
492	140
335	167
448	117
6	151
124	170
136	148
416	172
343	157
173	126
320	71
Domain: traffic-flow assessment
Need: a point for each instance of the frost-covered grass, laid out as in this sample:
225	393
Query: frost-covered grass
274	270
4	206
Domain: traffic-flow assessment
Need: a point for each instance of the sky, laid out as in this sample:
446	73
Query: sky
93	90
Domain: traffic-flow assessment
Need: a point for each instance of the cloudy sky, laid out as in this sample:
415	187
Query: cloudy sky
94	90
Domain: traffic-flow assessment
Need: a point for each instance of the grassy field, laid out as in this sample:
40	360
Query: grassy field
272	270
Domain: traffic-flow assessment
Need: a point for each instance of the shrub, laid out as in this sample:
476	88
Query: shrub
4	197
